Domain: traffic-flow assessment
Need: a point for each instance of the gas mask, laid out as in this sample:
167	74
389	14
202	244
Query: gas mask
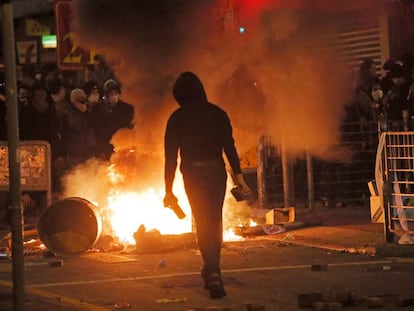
377	95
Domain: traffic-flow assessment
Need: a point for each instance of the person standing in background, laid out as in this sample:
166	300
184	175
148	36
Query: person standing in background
93	94
78	132
23	95
113	114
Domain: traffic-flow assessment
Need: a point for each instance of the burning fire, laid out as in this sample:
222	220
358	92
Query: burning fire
230	235
127	211
123	211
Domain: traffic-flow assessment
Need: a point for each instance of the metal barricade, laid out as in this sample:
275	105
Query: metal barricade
341	182
395	182
35	167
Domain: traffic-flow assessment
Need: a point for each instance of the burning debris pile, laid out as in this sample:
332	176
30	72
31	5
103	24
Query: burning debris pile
31	243
153	241
130	203
74	226
108	207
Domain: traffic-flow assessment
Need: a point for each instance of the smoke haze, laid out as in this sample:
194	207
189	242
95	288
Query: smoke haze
279	77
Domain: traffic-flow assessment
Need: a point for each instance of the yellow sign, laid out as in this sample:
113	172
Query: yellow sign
70	55
34	28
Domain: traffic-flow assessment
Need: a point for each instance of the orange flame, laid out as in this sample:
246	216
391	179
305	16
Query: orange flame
130	210
127	211
124	210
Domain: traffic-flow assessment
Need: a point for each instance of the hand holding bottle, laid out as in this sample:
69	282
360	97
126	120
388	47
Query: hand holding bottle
171	201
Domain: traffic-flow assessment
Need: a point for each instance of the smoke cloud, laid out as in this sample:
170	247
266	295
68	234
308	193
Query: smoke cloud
278	78
268	63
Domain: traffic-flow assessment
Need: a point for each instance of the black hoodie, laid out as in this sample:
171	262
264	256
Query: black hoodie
199	129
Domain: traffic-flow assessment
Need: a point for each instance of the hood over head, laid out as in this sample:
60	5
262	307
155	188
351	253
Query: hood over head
89	86
110	85
188	89
77	95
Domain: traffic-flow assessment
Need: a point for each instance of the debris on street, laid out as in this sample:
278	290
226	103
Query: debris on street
154	241
337	297
270	229
122	305
56	263
166	300
32	245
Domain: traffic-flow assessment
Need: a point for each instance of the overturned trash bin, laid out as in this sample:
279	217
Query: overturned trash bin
70	226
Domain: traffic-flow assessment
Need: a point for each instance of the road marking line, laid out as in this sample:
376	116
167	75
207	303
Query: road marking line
402	259
67	300
109	258
163	276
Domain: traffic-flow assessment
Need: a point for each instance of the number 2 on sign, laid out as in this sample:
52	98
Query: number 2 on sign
71	57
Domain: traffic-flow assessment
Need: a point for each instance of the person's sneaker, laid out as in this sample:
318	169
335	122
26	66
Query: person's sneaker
215	286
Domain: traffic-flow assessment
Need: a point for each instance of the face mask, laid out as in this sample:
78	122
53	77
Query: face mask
377	95
80	105
94	98
113	99
24	99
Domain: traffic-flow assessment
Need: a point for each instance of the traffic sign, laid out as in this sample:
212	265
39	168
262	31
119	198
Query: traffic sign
70	55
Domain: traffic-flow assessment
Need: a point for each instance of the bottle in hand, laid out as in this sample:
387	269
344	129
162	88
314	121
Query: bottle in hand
177	210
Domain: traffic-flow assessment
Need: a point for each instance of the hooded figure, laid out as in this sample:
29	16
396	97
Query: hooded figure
188	89
201	131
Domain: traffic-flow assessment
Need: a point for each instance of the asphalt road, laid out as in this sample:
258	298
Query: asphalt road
259	274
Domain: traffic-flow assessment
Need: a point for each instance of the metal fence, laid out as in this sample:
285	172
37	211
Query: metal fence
381	168
313	180
395	183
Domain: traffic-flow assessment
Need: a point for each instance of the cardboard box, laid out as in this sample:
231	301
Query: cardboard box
377	212
280	216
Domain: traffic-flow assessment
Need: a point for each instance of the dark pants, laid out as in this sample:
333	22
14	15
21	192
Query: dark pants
205	185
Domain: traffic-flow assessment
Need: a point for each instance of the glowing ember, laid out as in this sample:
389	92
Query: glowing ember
252	223
31	241
229	235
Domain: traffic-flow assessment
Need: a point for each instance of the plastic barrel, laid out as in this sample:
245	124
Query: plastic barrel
70	226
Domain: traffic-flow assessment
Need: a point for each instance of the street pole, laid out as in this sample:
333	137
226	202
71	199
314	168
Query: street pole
14	155
309	171
287	175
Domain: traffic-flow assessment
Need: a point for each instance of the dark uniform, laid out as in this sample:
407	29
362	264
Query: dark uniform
107	120
201	131
79	137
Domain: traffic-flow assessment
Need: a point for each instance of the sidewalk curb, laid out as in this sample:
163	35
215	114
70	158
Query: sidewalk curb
395	250
386	250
